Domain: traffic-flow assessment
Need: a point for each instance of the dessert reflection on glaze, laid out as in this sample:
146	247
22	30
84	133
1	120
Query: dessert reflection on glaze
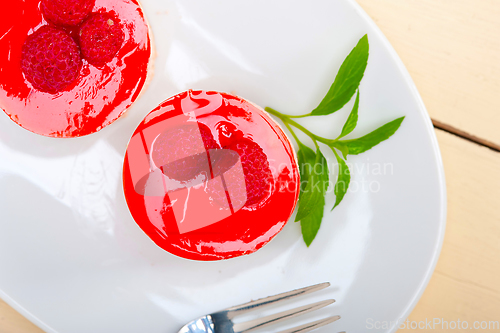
210	176
107	82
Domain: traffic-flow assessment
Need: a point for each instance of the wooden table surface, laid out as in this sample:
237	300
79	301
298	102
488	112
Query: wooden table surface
452	50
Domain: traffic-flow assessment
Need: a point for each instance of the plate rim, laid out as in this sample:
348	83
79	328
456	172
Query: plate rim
437	156
439	169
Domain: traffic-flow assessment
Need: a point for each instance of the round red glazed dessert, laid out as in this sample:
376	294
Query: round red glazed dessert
210	176
69	68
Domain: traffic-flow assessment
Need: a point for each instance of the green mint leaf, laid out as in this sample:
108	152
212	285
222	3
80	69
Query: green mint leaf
362	144
312	214
306	158
347	80
310	224
352	120
344	149
343	180
316	187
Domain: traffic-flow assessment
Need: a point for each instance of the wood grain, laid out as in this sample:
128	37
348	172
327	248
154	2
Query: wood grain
452	51
12	322
465	283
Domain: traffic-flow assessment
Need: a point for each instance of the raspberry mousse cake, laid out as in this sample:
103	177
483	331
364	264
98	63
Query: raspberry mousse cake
210	176
70	67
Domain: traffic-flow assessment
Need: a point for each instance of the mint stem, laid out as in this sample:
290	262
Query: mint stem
293	133
301	116
286	120
275	113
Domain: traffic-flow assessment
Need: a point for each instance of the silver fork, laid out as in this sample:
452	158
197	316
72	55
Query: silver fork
221	322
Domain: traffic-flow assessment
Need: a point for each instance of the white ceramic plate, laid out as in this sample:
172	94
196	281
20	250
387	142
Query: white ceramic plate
72	260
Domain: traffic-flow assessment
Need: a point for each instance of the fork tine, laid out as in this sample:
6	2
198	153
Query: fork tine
275	318
243	308
312	326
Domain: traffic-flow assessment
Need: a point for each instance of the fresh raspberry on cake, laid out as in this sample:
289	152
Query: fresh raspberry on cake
233	193
66	12
181	151
88	98
255	168
101	37
50	60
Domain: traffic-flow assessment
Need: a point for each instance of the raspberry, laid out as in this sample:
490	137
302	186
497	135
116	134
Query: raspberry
222	160
255	168
101	37
177	151
66	12
228	133
233	193
50	59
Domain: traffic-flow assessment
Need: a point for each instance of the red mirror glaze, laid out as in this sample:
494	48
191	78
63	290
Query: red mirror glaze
210	176
98	96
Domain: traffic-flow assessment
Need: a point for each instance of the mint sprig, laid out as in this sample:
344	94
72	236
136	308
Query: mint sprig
313	167
316	183
311	208
347	80
306	158
352	120
343	180
362	144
